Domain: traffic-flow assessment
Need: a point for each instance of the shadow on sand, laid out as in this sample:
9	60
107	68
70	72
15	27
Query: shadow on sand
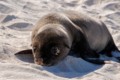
70	67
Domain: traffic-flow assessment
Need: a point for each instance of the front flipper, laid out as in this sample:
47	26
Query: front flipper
25	55
93	57
97	61
27	51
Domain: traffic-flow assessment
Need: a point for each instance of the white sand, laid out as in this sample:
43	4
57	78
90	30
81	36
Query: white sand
16	20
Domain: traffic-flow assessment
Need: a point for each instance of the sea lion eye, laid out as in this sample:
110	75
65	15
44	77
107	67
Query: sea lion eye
55	51
34	49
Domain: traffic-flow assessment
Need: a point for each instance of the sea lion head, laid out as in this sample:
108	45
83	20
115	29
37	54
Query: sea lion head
50	46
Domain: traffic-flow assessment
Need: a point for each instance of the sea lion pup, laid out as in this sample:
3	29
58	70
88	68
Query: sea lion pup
57	34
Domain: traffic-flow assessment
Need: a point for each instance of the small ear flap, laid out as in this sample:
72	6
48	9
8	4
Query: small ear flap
66	45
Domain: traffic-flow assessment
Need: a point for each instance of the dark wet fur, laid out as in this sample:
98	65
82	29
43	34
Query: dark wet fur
82	47
79	26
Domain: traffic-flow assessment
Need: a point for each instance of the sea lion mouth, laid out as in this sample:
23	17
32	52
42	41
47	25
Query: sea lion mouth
44	61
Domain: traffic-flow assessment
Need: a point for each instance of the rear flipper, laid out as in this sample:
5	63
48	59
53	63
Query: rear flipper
111	50
97	61
116	54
